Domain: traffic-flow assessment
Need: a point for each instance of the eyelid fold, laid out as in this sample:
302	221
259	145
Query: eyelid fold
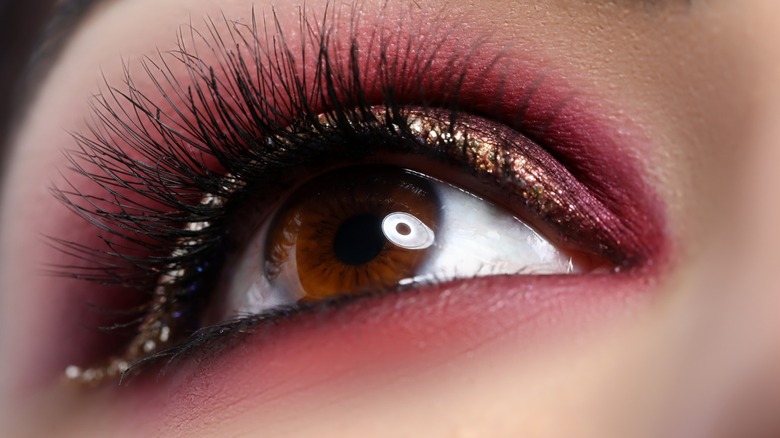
197	131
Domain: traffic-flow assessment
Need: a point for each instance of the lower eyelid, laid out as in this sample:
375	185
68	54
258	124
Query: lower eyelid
392	336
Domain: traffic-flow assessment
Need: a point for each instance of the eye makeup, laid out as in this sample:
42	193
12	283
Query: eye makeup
175	167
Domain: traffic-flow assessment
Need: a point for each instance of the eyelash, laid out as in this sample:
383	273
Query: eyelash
148	202
205	146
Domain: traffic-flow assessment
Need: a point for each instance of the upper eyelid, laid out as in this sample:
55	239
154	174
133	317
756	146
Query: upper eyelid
70	16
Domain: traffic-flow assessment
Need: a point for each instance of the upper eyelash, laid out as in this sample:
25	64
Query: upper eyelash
147	204
170	177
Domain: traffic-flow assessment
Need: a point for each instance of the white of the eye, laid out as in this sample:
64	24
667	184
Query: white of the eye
477	238
415	234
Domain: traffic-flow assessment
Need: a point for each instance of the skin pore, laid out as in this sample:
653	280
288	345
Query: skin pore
691	91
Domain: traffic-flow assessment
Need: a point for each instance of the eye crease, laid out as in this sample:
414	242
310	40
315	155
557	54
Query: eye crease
266	214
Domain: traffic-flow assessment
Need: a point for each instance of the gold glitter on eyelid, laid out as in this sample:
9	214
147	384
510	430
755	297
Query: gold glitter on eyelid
158	327
487	158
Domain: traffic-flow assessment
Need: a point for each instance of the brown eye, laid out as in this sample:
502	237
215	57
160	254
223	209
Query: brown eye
352	231
375	228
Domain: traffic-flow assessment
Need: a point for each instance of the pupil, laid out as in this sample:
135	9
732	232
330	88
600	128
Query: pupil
359	239
403	229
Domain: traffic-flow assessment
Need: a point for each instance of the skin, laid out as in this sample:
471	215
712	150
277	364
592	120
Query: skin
696	355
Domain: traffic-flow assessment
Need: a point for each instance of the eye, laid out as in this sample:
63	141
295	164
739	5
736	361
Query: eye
366	229
230	204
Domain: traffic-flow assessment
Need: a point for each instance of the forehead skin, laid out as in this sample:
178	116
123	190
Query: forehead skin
701	81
